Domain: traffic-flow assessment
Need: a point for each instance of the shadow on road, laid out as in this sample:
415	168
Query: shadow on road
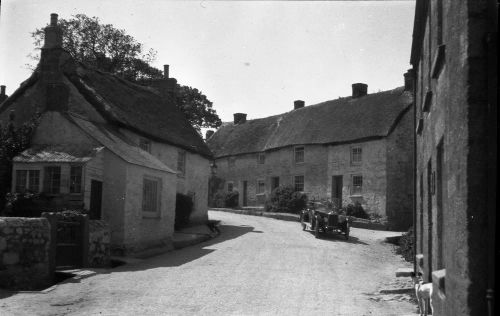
340	238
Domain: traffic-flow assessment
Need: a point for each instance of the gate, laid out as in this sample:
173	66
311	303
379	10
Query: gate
69	239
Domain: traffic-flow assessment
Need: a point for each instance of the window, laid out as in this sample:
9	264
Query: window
150	195
75	179
181	163
299	183
52	179
357	185
356	155
145	145
299	154
261	186
27	180
230	187
261	159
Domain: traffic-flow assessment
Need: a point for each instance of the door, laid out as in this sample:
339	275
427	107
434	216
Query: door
95	199
275	182
337	184
245	193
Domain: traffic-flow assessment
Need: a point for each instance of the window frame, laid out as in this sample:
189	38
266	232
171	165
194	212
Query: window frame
181	163
157	198
27	181
48	184
145	144
258	187
261	158
356	157
355	191
295	183
297	150
71	182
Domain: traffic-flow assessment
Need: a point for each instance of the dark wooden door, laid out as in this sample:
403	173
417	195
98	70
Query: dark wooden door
245	193
95	199
337	183
69	244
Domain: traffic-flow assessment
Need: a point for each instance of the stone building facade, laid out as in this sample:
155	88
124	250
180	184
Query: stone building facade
348	150
454	63
118	149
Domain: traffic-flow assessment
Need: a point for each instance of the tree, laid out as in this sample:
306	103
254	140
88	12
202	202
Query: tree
109	49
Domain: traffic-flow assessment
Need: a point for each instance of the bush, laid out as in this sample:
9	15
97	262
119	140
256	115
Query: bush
406	245
225	199
284	199
356	210
183	210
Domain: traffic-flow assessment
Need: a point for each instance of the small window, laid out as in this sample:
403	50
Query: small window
261	159
52	180
27	180
357	185
261	186
150	195
356	155
299	183
181	163
230	187
299	154
75	179
145	145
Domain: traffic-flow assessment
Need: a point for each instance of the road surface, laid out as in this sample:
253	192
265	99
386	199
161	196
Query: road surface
257	266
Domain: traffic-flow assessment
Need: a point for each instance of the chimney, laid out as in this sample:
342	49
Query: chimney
209	134
359	90
297	104
409	75
53	34
165	71
3	96
239	118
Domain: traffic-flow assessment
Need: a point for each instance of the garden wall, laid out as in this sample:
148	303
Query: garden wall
24	253
99	244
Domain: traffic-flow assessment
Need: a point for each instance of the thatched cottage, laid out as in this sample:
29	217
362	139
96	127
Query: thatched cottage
352	149
118	149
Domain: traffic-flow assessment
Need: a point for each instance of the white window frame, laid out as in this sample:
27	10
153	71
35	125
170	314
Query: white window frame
356	155
295	183
50	188
27	180
259	183
297	150
154	199
356	189
80	184
145	144
261	158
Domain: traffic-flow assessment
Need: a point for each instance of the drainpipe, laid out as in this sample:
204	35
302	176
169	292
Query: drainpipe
414	84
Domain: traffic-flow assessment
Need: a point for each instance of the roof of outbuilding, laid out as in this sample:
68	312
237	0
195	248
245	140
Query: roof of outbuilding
337	121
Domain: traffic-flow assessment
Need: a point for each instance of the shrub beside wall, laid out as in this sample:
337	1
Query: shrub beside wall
24	253
284	199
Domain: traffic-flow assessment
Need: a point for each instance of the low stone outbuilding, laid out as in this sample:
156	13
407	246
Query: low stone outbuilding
352	149
118	149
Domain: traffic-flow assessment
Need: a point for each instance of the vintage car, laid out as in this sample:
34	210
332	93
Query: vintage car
322	218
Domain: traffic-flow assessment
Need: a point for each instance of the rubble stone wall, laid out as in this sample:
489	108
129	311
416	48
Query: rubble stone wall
99	244
24	253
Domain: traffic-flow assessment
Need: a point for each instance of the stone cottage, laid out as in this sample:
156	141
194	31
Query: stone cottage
118	149
352	149
454	60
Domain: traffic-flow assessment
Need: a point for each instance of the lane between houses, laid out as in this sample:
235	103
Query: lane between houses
256	266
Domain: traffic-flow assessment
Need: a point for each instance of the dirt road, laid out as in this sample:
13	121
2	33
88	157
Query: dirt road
257	266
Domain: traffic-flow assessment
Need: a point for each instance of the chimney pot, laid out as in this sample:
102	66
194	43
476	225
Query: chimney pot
297	104
409	77
2	90
165	71
53	19
239	118
209	134
359	90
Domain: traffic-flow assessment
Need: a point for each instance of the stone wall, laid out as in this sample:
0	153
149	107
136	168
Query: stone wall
99	244
24	253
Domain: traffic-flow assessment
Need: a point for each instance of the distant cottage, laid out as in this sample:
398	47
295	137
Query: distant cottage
353	149
118	149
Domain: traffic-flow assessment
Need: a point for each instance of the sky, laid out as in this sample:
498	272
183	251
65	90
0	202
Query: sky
253	57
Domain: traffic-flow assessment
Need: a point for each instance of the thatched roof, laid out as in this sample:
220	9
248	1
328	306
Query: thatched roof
105	97
57	153
332	122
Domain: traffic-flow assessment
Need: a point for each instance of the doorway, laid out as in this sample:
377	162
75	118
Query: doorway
337	184
245	193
